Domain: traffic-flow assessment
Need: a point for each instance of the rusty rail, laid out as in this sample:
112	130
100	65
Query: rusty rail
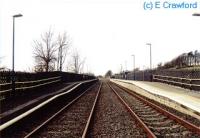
91	113
30	134
185	123
61	110
141	123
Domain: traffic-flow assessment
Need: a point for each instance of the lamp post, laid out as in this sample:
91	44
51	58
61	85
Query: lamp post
150	61
143	72
125	72
13	53
196	14
133	66
150	55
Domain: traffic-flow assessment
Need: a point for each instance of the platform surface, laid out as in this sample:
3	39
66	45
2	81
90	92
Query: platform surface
188	98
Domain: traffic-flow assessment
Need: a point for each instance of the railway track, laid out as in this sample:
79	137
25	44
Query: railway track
111	119
72	120
159	122
28	123
103	110
25	106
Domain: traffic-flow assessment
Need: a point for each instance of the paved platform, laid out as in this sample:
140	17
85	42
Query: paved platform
185	98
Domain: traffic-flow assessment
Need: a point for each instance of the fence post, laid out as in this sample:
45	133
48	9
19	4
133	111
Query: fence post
13	83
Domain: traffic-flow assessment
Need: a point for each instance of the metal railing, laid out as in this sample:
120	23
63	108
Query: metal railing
45	103
193	84
7	90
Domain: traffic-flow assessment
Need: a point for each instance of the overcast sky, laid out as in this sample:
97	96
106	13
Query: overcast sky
105	32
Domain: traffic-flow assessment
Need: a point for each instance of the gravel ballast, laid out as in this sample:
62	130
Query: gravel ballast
111	119
158	123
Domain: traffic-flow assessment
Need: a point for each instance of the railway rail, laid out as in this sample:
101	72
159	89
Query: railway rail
153	118
23	124
14	108
95	111
72	120
111	119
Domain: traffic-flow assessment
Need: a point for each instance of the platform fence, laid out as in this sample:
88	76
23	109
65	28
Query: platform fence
25	82
189	79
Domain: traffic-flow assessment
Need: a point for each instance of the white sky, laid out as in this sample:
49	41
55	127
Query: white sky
106	32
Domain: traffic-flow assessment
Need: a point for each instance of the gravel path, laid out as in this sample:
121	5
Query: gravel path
111	119
158	123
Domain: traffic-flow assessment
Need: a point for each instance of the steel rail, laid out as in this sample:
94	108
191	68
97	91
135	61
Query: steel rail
180	78
4	91
5	84
24	82
18	118
141	123
177	82
29	87
156	77
91	113
56	114
179	120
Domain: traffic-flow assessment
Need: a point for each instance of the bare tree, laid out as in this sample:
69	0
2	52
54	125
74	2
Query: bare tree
77	63
196	57
108	74
0	60
44	52
190	58
159	66
184	60
1	66
63	47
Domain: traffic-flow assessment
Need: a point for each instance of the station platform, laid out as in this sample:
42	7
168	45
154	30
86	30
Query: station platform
184	100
